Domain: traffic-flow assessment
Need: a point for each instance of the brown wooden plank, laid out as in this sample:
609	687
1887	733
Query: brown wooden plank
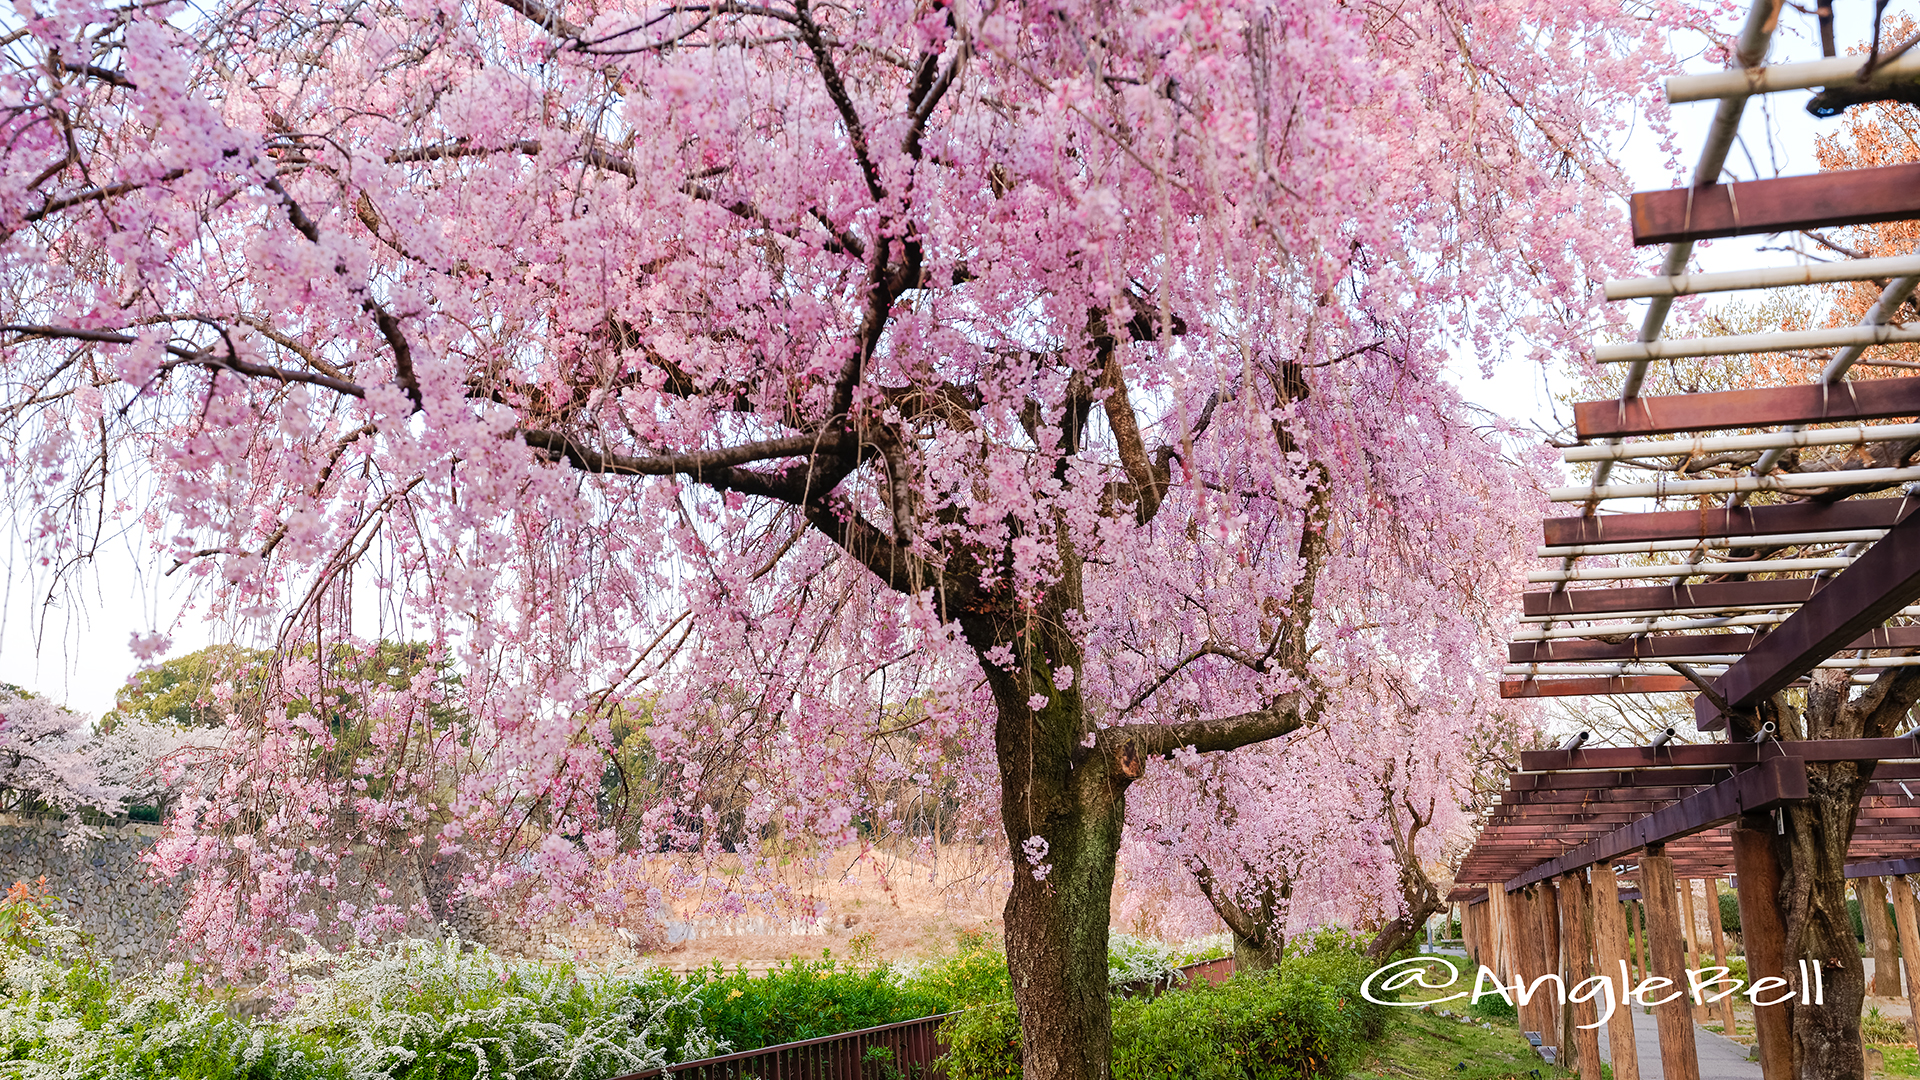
1717	928
1862	399
1708	597
1583	687
1878	584
1852	197
1707	754
1658	646
1576	927
1909	934
1719	521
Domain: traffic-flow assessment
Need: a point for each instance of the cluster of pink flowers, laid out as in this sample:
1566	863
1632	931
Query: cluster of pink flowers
508	328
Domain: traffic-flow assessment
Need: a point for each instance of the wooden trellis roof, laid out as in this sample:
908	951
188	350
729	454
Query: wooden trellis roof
1567	809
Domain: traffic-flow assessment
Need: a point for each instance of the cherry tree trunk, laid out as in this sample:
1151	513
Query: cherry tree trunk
1256	955
1826	1032
1063	806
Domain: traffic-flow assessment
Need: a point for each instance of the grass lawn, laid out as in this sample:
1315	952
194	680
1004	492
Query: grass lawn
1901	1061
1424	1045
1444	1042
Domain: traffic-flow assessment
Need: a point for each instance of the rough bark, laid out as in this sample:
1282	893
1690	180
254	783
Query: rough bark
1811	844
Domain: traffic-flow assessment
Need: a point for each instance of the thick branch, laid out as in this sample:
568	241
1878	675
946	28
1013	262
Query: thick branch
1147	482
1285	716
695	463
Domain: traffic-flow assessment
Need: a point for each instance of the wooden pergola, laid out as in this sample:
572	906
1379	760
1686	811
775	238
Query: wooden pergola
1729	585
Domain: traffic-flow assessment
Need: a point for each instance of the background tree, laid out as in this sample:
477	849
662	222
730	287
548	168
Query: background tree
843	354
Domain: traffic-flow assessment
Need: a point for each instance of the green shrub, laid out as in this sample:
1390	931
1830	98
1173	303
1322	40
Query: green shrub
1305	1019
1737	969
1289	1024
423	1011
983	1043
974	973
1493	1007
802	999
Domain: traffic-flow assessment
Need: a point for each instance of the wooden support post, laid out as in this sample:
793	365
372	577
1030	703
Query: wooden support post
1679	1058
1535	1015
1903	917
1765	935
1872	892
1550	954
1690	940
1715	924
1610	957
1637	939
1496	931
1576	924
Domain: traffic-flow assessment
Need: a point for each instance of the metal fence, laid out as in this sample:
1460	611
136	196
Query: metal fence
903	1051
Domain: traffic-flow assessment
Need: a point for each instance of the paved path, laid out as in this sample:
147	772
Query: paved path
1720	1058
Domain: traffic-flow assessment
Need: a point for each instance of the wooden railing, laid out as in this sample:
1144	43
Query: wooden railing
905	1051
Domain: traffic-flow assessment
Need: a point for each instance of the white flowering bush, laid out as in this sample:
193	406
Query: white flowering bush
435	1009
418	1010
1135	959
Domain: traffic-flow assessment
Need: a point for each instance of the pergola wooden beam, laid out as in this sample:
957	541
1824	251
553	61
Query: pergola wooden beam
1680	646
1614	780
1886	868
1844	516
1859	399
1852	197
1686	755
1879	583
1595	685
1575	603
1781	779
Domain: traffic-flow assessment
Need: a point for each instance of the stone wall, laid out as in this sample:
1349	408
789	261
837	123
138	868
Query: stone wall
106	889
110	895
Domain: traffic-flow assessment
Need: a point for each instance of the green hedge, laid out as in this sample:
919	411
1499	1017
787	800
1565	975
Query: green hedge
1305	1019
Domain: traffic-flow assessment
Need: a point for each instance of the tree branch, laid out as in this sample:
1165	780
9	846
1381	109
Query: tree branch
1285	716
1147	482
695	463
837	91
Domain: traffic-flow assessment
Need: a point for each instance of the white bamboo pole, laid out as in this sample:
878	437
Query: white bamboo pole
1651	547
1685	570
1655	613
1772	277
1777	341
1720	485
1741	82
1859	434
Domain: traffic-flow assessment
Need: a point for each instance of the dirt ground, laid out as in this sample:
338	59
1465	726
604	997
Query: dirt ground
859	902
